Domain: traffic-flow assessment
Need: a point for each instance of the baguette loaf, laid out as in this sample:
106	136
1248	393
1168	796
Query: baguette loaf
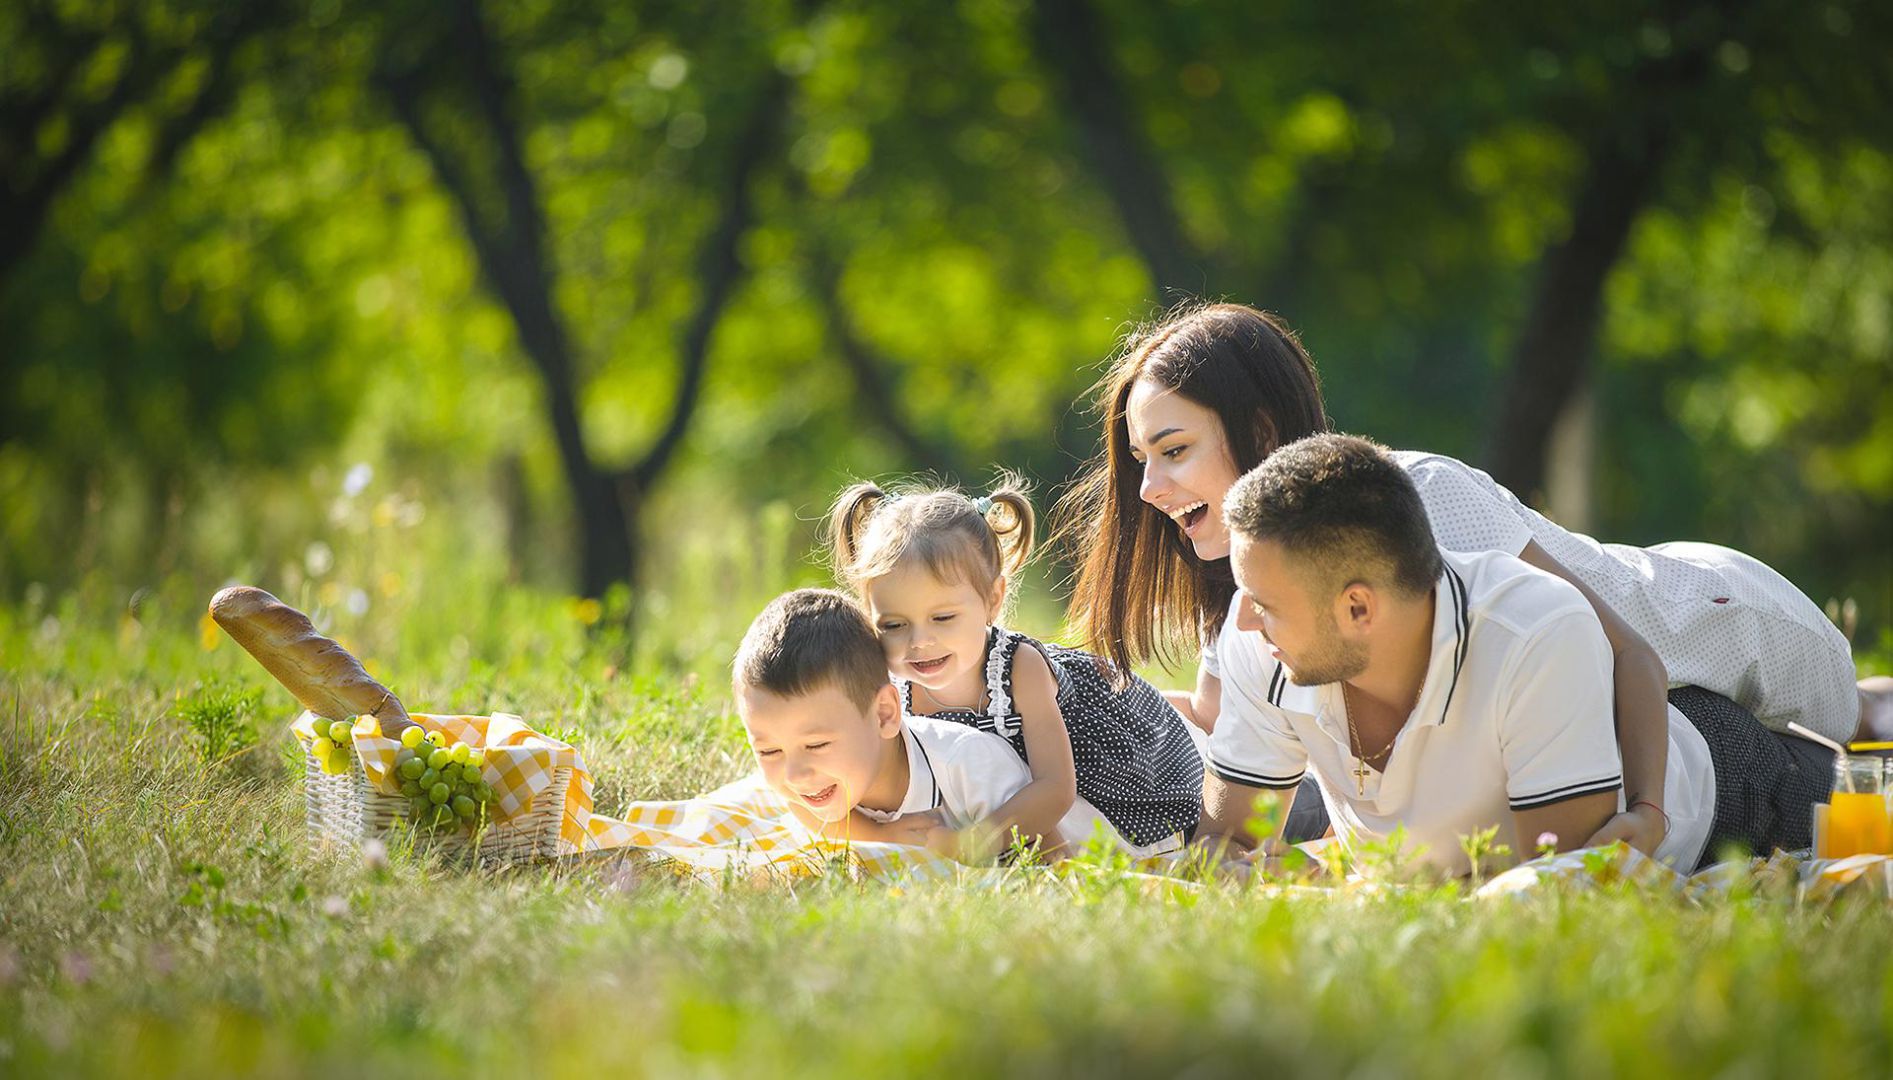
324	676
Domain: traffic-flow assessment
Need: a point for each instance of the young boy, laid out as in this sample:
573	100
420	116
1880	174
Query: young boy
811	684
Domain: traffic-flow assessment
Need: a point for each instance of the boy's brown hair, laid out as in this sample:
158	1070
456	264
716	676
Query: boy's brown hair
807	639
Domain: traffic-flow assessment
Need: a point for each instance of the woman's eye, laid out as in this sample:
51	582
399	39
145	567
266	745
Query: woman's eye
1173	451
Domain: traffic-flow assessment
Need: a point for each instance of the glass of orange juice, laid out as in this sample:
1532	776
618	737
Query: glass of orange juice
1859	814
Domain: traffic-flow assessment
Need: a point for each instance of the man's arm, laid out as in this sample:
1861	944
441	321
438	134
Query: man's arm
1230	810
1571	821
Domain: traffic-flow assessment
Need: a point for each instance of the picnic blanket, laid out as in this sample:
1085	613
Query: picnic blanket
745	828
741	827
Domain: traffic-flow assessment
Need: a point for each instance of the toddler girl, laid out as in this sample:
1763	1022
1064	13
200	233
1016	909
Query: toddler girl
932	568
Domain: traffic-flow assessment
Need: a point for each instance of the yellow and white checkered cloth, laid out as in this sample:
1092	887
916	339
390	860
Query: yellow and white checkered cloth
745	828
741	827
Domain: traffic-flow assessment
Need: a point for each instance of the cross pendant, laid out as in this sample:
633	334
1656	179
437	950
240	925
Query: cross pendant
1360	776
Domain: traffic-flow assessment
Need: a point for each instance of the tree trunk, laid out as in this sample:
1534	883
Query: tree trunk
1552	354
1554	347
1069	40
511	249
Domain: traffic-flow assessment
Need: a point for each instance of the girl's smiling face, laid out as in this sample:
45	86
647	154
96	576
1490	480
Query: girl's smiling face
1186	462
933	631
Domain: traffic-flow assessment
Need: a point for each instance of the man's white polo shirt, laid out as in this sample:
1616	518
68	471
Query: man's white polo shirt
1516	713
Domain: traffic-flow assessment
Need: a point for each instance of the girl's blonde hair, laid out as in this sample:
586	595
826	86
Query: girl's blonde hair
956	536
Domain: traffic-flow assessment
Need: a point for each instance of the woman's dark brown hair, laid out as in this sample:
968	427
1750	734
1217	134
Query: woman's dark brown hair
1139	592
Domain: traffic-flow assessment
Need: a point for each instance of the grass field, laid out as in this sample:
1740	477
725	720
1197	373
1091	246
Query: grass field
162	915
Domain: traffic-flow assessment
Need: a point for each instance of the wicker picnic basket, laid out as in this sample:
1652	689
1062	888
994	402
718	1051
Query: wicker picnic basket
347	808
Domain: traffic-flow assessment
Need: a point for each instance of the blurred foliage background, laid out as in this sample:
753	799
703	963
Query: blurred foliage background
418	312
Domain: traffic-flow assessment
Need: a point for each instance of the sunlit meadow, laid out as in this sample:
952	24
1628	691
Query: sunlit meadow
162	912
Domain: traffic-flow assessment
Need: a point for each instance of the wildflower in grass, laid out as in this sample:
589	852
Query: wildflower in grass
374	855
334	907
1547	844
76	968
161	960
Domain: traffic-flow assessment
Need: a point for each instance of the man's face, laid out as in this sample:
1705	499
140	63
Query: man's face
819	750
1302	630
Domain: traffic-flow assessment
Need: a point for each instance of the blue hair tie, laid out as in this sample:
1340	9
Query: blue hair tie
982	505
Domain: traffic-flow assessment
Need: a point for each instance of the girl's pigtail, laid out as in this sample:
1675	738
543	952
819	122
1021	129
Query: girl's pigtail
1013	522
846	521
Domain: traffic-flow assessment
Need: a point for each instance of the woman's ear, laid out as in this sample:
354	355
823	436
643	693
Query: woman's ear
996	602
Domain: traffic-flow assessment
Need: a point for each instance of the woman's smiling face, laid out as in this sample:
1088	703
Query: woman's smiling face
1186	462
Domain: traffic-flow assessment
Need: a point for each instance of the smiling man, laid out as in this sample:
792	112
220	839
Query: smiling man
1440	693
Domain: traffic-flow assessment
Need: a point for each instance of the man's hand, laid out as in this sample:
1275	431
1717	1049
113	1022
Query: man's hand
1642	827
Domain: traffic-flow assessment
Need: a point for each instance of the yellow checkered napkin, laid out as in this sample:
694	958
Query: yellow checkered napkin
745	827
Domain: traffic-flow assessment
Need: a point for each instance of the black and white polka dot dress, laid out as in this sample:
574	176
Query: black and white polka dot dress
1134	758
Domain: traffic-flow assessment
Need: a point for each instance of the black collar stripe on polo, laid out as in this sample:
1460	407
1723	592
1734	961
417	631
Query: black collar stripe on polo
933	777
1462	629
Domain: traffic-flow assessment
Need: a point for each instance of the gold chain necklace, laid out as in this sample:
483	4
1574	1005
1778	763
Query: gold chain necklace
1355	743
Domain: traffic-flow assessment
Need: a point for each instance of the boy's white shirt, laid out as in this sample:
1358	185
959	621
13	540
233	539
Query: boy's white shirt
961	771
1516	711
968	774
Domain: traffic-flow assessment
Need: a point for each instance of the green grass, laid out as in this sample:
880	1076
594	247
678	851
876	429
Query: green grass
161	916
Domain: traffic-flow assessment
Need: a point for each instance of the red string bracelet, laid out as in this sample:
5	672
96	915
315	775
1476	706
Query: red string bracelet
1658	809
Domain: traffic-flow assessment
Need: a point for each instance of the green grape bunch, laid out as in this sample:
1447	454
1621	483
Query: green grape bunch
443	781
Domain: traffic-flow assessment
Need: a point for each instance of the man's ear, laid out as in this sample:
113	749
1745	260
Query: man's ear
996	602
1357	609
886	708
